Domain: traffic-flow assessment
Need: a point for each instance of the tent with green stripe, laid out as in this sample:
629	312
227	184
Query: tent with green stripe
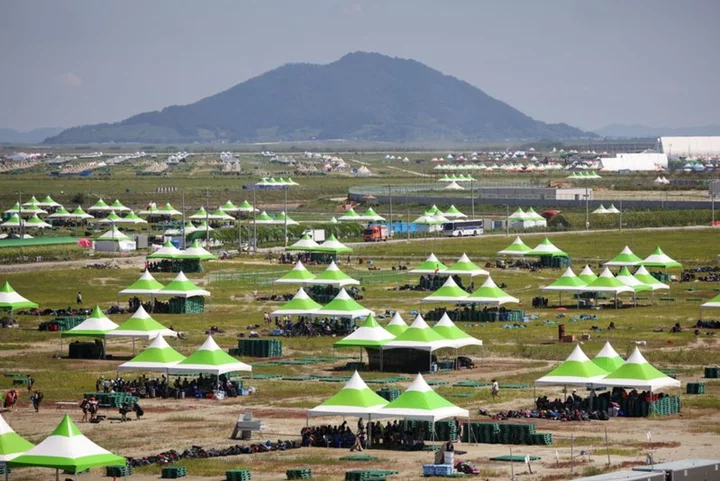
431	266
464	266
141	326
151	209
576	370
13	222
12	444
305	244
397	325
606	282
354	399
490	294
132	218
448	292
100	206
113	234
146	285
264	219
300	305
169	210
713	303
97	325
229	207
371	216
453	213
333	276
544	249
118	206
518	249
659	259
36	222
419	402
9	299
282	218
644	276
419	336
628	279
48	202
79	213
246	207
61	213
334	246
626	257
447	329
587	275
209	359
112	218
297	275
637	373
568	282
67	449
200	214
183	287
349	216
608	359
197	252
368	334
158	356
343	306
32	201
167	251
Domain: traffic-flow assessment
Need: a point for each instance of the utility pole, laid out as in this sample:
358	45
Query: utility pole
286	214
390	230
472	195
407	225
621	215
254	222
507	219
182	229
587	207
207	217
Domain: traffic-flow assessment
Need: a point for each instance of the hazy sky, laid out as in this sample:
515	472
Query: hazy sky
587	63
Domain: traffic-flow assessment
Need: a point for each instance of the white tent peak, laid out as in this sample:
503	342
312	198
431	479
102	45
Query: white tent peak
642	271
301	294
445	321
587	271
147	276
419	323
489	283
356	382
568	273
5	427
181	277
636	357
464	258
343	295
608	351
209	345
397	320
432	258
518	241
141	313
299	266
159	343
578	355
419	385
450	282
626	250
606	273
332	267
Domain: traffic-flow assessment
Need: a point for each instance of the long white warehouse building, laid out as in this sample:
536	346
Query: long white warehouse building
675	147
641	162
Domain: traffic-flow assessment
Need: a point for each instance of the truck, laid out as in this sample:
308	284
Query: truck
376	233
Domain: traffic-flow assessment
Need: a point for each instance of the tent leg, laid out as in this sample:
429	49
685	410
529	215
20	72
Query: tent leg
57	475
133	346
381	359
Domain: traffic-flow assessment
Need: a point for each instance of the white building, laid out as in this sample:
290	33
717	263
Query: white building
642	162
675	147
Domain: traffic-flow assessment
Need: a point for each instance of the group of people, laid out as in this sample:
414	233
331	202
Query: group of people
310	327
12	396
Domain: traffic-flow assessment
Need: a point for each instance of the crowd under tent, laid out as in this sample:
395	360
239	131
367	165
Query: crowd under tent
608	359
659	259
587	275
209	359
464	266
12	301
431	266
67	450
606	283
300	305
626	258
490	294
333	276
12	444
645	277
420	403
304	244
448	292
637	373
354	399
397	325
299	274
147	285
159	356
342	306
568	282
517	249
447	329
454	213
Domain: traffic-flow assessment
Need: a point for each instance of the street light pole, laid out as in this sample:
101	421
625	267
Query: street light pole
587	207
507	219
472	196
254	221
390	230
286	215
182	229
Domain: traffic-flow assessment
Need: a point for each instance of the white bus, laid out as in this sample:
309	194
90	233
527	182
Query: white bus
459	228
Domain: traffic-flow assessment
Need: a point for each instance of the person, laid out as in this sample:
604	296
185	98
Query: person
85	406
78	298
93	405
458	430
495	389
139	411
36	398
124	410
255	294
30	382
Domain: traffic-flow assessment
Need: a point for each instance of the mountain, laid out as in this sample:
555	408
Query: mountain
362	96
35	136
639	131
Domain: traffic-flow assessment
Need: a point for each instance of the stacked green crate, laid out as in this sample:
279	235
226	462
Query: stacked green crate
368	475
389	394
238	475
541	439
118	471
260	347
173	472
486	433
446	431
695	388
299	473
515	433
712	372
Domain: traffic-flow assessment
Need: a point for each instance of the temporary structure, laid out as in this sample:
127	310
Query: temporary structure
659	259
644	276
576	370
464	266
9	299
453	185
354	399
448	292
100	206
713	303
608	359
447	329
349	216
209	359
200	214
13	222
419	402
67	449
167	251
300	305
334	246
169	210
626	278
282	218
453	213
637	373
12	444
587	274
114	234
568	282
60	213
397	325
537	219
625	258
419	336
196	251
297	275
36	222
132	218
151	209
305	243
546	248
158	356
371	215
229	207
606	282
97	325
183	287
600	210
343	306
141	326
48	202
612	209
369	334
333	276
431	266
146	285
246	207
490	294
518	249
118	207
112	218
79	213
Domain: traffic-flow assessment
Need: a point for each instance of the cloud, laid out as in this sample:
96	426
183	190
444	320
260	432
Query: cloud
72	79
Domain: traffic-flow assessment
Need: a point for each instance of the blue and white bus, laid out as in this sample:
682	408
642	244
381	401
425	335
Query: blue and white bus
459	228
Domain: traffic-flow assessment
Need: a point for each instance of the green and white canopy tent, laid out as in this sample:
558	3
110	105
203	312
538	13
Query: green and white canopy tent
369	334
200	214
624	259
297	275
447	329
79	213
453	213
333	276
97	325
66	449
229	207
146	285
627	278
448	292
607	283
490	294
151	209
608	359
32	201
546	248
397	325
349	216
209	359
464	266
203	227
167	251
12	444
132	218
36	222
517	249
431	266
354	399
713	303
304	244
141	326
334	246
576	370
169	210
659	259
118	206
419	402
196	251
48	202
246	207
637	373
13	222
183	287
430	220
112	218
333	220
539	220
371	216
264	219
643	275
114	234
282	218
16	209
587	274
32	210
600	210
11	300
220	214
158	356
419	336
342	306
612	209
61	213
300	305
100	206
568	282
